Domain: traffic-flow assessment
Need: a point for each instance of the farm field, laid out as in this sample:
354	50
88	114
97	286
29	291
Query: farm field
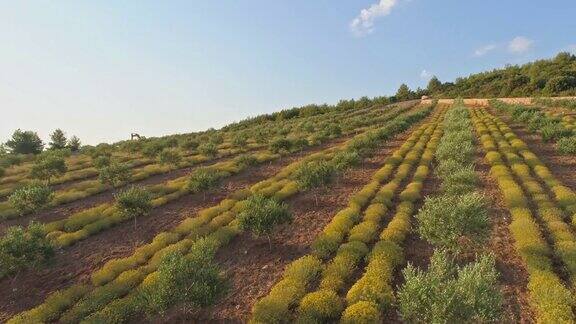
376	215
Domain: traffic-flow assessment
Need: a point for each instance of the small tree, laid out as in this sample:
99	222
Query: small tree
74	144
170	156
21	248
47	166
58	140
193	280
152	149
280	145
209	149
101	161
115	174
30	198
404	93
134	202
203	179
25	142
315	174
262	214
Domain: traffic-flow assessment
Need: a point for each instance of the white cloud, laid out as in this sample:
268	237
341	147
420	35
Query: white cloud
484	50
363	24
425	75
520	44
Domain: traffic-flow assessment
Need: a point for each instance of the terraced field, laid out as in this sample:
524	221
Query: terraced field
433	211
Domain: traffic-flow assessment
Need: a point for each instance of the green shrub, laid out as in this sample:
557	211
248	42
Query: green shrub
245	160
445	220
203	179
47	166
345	159
209	149
30	198
192	279
314	174
169	156
279	145
446	293
115	174
261	214
101	161
554	132
134	202
21	248
567	145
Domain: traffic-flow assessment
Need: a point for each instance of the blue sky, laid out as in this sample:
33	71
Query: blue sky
103	69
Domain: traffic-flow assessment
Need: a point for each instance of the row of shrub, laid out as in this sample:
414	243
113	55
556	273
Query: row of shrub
169	161
372	294
550	127
217	223
551	300
276	306
454	221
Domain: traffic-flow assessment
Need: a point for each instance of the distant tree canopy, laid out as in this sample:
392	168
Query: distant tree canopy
550	77
25	142
58	140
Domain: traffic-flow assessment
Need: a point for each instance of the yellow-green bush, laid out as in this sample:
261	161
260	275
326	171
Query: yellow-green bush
399	226
362	312
320	306
412	192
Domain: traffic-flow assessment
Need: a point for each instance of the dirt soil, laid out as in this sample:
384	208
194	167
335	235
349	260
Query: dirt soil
76	263
513	274
253	268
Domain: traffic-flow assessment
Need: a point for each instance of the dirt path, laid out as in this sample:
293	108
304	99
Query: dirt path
513	274
76	263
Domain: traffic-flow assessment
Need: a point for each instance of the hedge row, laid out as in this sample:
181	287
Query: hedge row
551	300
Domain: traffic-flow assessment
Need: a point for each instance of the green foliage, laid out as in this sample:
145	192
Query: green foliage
25	142
261	214
58	140
345	159
134	202
550	77
47	166
203	179
191	279
189	144
115	174
30	198
446	293
209	149
240	140
169	156
314	174
445	220
567	145
279	145
21	248
245	160
74	143
101	161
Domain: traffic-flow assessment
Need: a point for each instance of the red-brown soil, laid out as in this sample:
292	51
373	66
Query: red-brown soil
76	263
514	277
